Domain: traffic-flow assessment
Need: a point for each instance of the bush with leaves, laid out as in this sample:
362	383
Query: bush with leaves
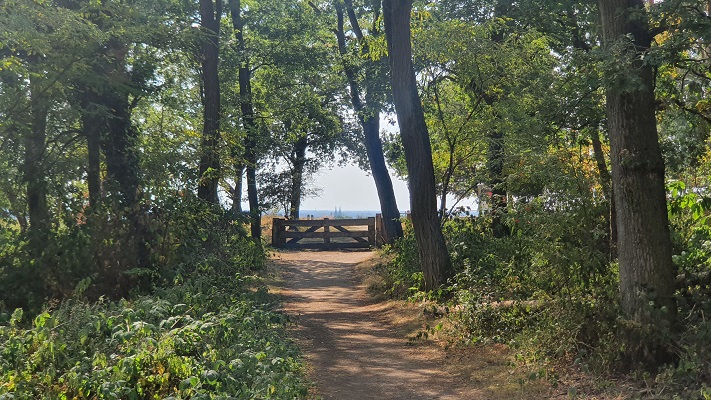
211	335
117	252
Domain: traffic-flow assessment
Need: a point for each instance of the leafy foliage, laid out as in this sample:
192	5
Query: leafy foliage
212	334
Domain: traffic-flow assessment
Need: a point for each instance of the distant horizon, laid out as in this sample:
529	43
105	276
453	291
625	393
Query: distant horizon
338	213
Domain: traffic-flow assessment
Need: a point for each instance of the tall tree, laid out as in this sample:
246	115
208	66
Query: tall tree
248	120
209	169
432	249
35	141
367	108
644	245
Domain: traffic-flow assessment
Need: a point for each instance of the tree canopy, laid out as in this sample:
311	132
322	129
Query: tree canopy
580	131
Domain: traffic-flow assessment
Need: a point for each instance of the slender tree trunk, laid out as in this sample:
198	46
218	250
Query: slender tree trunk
644	245
248	121
297	176
495	166
496	153
237	190
369	119
92	125
34	174
209	168
606	183
383	182
254	212
436	265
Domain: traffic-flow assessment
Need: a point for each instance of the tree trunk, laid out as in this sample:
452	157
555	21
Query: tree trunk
297	176
496	153
432	250
209	169
644	245
255	216
383	183
35	147
495	167
120	149
237	190
606	183
248	121
92	125
369	119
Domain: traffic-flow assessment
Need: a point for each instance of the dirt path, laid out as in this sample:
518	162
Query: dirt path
353	350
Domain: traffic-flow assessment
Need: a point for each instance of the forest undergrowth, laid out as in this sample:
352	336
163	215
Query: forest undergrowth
205	326
550	293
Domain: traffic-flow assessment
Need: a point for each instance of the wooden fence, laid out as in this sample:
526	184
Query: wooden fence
327	233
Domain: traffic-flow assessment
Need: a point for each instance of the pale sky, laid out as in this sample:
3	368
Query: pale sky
351	189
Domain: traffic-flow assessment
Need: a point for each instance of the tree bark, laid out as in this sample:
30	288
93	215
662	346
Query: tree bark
496	152
92	125
606	183
120	148
248	121
369	119
35	142
432	250
297	176
495	167
209	169
644	245
237	190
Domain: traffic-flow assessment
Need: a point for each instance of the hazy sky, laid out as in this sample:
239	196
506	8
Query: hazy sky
350	188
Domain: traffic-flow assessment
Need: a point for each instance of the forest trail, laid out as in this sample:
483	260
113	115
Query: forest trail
355	351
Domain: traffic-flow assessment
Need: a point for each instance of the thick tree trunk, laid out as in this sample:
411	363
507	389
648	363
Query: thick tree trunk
248	121
209	169
297	176
644	245
120	149
35	147
369	119
432	250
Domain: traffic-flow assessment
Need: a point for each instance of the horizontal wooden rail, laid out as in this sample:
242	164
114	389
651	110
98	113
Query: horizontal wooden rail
325	222
305	235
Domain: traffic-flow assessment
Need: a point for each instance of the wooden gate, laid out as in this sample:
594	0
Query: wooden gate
326	233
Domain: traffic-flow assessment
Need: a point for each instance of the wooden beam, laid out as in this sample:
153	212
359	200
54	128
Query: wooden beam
332	234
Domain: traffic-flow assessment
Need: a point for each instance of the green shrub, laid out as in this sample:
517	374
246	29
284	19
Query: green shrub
402	275
208	337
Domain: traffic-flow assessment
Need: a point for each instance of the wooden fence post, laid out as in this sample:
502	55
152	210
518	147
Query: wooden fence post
276	223
326	237
379	234
372	231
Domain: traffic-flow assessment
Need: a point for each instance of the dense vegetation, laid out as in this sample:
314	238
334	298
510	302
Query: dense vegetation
128	130
517	99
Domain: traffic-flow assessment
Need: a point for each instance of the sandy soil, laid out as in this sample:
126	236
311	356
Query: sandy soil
356	349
